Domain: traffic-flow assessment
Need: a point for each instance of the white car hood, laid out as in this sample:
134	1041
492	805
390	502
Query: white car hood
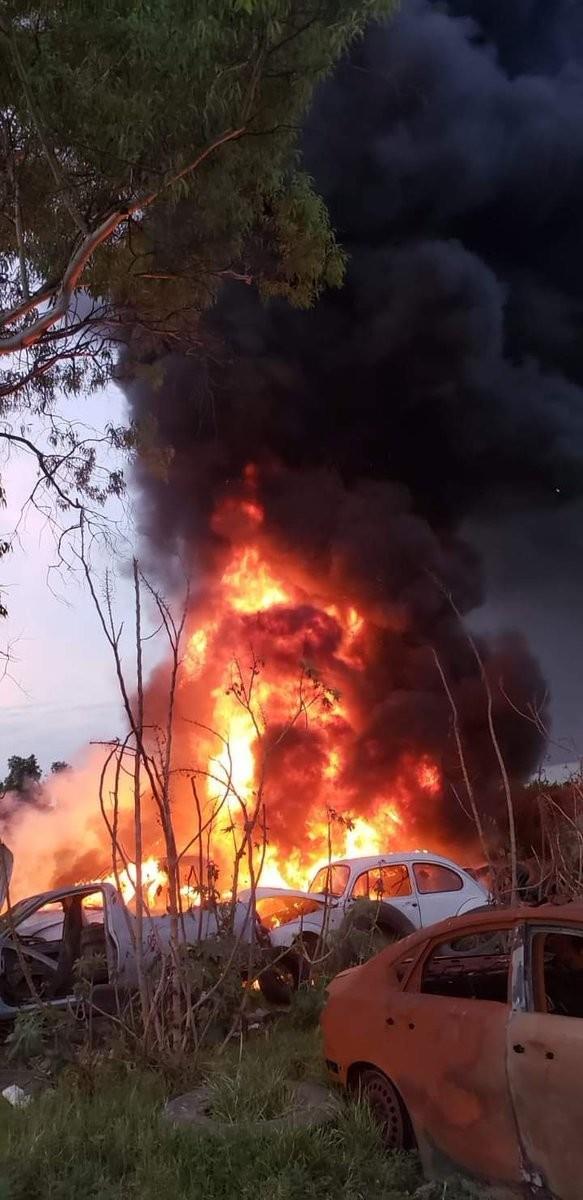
6	865
262	892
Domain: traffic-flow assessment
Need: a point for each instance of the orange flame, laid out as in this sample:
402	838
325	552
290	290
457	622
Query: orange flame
232	705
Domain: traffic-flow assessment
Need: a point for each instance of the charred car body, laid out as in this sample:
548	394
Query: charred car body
467	1040
44	938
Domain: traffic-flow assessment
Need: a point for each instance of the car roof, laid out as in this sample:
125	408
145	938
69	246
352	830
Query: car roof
492	918
406	856
76	889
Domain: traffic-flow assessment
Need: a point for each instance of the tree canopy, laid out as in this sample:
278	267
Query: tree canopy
59	766
148	150
23	774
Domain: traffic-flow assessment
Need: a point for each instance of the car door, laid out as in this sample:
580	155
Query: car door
30	948
545	1062
439	891
390	883
447	1031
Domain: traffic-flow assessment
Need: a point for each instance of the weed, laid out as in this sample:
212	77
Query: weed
306	1006
250	1094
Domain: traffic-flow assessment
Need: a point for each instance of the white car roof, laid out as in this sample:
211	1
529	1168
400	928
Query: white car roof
410	856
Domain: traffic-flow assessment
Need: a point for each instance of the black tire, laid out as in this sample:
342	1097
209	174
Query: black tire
369	927
279	981
387	1109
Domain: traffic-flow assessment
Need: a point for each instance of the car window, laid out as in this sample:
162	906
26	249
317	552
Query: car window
277	910
383	883
331	879
45	923
473	966
560	968
433	877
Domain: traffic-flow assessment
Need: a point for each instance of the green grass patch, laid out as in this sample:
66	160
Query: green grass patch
106	1141
250	1094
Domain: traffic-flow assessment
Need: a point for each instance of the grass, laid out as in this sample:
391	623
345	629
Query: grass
240	1097
107	1142
254	1085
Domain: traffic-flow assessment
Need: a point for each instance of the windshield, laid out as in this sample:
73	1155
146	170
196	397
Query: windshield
7	920
277	910
332	880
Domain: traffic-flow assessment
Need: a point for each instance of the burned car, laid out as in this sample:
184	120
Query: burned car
44	938
467	1041
405	891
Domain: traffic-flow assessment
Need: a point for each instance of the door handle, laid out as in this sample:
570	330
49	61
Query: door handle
518	1049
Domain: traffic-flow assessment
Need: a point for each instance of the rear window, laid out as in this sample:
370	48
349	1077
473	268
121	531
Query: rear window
433	877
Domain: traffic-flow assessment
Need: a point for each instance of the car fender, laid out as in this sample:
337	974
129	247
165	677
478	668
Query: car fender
474	904
286	935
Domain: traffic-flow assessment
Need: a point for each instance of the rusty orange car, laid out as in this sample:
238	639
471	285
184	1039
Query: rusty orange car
466	1039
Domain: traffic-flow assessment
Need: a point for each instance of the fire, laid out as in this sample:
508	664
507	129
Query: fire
249	584
274	740
154	881
257	591
428	776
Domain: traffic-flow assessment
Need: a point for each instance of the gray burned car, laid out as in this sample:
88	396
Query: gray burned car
44	938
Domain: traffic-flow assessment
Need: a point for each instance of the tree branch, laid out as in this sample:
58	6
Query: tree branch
84	252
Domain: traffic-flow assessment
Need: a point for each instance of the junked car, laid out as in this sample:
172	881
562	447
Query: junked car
44	938
467	1041
409	891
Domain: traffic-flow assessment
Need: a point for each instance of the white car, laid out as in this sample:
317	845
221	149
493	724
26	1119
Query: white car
414	890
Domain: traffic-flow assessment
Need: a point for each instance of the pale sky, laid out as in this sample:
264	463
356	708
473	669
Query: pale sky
61	690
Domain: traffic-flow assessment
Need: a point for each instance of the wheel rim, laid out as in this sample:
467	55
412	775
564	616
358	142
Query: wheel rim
386	1110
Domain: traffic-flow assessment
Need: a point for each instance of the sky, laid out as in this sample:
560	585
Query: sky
60	691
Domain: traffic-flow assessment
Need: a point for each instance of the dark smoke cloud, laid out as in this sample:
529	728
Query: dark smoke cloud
443	383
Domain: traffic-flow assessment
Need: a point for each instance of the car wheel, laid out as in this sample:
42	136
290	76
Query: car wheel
279	981
309	947
369	927
386	1109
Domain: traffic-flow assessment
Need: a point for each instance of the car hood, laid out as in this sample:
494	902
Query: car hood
262	893
6	864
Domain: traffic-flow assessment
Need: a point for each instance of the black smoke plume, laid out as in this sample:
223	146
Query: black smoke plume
443	382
